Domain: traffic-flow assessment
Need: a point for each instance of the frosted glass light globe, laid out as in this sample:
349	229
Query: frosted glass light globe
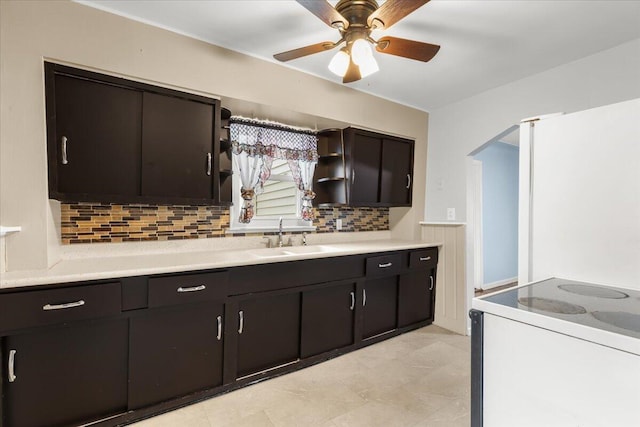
339	63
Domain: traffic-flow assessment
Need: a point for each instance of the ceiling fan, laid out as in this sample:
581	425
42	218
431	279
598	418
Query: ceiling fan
355	20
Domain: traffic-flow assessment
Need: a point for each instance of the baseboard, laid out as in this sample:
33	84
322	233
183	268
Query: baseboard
499	283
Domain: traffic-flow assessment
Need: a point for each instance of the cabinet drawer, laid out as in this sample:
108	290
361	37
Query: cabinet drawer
384	265
424	258
51	306
187	288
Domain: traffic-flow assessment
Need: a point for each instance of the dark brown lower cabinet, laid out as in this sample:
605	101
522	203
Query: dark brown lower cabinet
175	351
268	332
128	349
327	318
416	297
379	300
66	375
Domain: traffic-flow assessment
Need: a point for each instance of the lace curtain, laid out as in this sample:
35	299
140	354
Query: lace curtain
255	143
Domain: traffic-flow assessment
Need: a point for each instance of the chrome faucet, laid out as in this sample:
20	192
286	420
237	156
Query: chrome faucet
280	243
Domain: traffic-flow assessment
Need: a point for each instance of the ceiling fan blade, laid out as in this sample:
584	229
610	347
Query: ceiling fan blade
352	74
392	11
323	10
407	48
304	51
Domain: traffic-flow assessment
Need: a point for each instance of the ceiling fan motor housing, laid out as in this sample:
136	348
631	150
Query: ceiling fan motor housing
356	12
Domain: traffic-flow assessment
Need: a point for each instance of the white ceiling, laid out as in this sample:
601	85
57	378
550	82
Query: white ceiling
485	43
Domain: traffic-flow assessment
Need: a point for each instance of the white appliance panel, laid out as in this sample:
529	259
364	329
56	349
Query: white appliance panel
585	215
535	377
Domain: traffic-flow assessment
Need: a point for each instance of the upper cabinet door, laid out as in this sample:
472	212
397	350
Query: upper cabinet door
177	147
396	173
95	143
365	169
380	168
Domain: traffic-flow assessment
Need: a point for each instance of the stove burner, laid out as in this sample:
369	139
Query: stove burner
621	319
593	291
551	305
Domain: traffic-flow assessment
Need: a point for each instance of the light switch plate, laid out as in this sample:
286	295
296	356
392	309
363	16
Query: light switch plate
339	224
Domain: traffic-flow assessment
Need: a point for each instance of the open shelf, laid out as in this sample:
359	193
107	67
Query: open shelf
330	174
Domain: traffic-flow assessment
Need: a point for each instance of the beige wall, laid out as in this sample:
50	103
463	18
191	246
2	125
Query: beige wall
34	31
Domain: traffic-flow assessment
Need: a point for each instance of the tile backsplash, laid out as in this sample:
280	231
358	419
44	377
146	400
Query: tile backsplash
101	223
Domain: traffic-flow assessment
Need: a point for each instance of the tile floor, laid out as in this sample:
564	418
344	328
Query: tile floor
417	379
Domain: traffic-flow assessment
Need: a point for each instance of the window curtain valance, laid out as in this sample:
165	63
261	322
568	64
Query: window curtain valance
256	143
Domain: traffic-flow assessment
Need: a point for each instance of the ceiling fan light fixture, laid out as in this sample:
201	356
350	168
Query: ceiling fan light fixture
340	62
368	66
361	51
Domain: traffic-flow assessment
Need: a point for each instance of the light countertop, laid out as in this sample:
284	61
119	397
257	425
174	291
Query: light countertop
113	265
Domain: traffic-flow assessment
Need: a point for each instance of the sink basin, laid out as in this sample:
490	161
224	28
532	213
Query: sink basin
316	249
291	250
269	252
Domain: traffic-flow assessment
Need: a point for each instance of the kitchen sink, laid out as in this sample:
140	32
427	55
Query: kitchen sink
292	250
315	249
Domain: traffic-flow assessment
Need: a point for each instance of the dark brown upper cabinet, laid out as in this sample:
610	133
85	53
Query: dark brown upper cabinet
396	172
379	168
114	140
95	148
177	143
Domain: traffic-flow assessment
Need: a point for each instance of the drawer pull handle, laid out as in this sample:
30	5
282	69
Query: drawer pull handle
364	297
65	160
241	318
63	306
353	300
425	258
389	264
219	336
12	360
431	281
192	289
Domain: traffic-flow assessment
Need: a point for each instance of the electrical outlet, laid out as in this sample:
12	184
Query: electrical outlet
451	214
339	224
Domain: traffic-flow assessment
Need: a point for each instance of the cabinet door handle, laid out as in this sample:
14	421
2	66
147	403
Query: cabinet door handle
12	360
353	300
64	151
389	264
431	283
364	297
209	164
425	258
408	181
192	289
63	306
241	318
353	176
219	336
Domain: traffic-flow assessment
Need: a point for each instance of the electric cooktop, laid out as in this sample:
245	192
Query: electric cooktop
603	307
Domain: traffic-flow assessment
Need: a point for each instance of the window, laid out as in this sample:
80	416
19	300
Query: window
280	198
276	161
